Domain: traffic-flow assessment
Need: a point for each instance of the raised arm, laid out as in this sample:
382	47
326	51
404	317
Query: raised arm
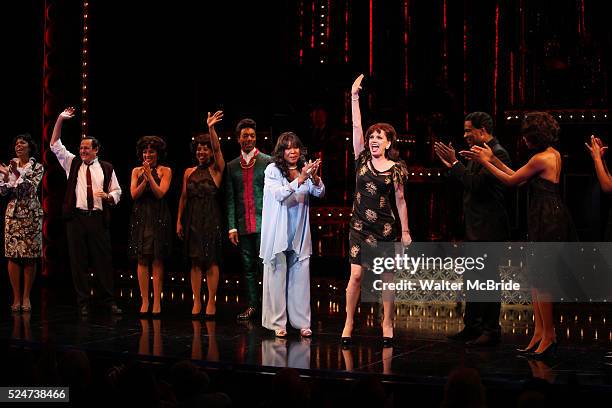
358	142
597	151
211	121
68	113
63	155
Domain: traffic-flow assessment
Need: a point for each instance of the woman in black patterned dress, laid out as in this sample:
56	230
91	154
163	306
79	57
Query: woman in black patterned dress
379	180
548	217
150	238
199	216
23	218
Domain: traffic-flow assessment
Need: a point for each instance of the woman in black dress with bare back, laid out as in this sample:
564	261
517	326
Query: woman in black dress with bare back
548	217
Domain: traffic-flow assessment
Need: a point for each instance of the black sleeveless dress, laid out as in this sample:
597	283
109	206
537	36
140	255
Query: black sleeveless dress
549	220
150	235
202	219
373	220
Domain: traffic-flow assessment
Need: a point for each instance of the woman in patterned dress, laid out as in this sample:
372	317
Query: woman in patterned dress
199	216
150	224
379	180
23	219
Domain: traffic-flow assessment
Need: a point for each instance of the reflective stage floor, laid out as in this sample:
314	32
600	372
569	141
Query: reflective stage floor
421	352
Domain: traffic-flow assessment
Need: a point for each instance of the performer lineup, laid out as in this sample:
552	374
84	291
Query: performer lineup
268	203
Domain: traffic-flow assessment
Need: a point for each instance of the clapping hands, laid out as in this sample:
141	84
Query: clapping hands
310	169
478	153
596	148
445	153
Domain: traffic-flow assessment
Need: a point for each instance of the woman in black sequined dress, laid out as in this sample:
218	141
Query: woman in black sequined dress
150	239
199	221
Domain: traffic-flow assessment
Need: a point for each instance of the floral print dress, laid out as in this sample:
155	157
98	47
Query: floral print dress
373	220
23	217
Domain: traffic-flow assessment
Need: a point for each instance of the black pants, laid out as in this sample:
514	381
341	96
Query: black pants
251	265
482	308
89	240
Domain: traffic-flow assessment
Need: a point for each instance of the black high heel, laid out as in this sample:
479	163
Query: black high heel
530	349
549	352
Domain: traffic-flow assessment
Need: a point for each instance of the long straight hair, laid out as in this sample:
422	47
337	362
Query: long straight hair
285	141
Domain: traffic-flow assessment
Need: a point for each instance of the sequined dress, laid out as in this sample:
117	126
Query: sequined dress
150	225
202	219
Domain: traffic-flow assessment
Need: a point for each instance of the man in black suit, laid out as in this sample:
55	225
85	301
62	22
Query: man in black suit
486	220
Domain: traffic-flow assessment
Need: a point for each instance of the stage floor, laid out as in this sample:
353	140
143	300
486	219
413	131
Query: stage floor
421	353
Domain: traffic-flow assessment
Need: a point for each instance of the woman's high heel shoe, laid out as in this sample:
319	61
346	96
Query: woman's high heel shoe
387	342
550	351
529	349
346	341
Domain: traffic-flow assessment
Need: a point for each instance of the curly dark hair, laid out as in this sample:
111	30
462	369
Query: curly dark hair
540	129
26	137
200	139
204	140
390	134
245	123
285	141
154	142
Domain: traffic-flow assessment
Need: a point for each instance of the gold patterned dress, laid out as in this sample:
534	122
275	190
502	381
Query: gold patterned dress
23	217
373	220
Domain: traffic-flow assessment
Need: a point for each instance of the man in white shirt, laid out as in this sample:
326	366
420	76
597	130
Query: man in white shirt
91	190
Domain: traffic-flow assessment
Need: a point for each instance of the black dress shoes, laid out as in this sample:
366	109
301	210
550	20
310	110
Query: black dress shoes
484	340
247	314
464	336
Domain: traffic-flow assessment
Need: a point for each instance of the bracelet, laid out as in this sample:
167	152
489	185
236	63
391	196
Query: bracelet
353	98
408	231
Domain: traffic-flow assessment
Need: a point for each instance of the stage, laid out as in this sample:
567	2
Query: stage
421	359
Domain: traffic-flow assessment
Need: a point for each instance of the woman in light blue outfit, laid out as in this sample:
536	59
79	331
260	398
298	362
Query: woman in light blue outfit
285	236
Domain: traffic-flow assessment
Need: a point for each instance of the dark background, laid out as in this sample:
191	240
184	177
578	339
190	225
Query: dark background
157	67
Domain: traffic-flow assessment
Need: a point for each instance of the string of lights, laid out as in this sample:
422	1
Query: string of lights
85	70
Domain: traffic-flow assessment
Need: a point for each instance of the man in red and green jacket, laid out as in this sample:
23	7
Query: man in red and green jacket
244	183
